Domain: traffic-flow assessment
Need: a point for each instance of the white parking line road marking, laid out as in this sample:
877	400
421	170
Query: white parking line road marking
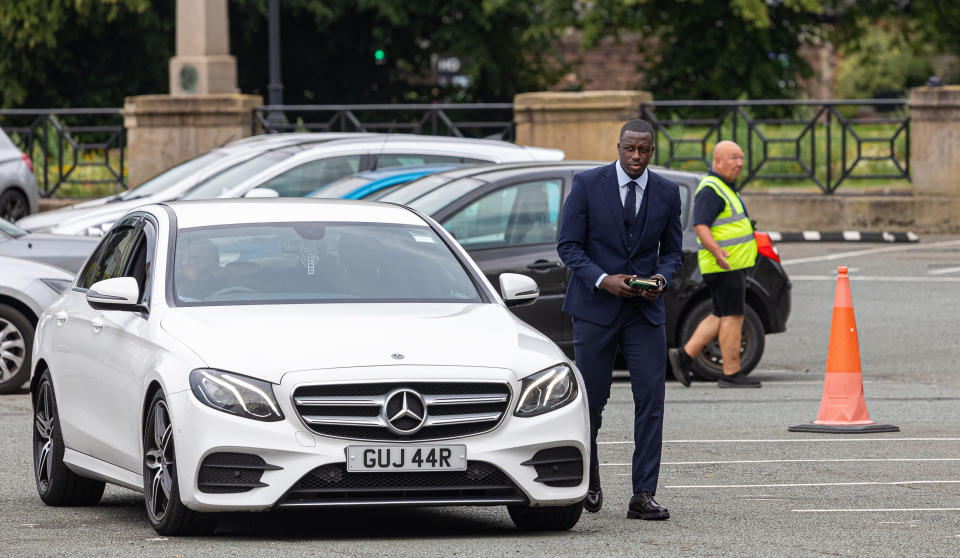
855	510
802	440
878	278
866	460
944	270
869	252
809	484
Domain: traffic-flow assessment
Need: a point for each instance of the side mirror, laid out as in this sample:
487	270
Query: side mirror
518	290
262	193
119	293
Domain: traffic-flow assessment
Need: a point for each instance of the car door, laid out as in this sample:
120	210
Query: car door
512	228
127	356
80	350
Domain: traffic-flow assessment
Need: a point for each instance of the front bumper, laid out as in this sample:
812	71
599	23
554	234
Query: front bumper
308	470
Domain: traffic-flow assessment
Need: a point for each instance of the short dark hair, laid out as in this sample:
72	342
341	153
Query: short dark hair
637	125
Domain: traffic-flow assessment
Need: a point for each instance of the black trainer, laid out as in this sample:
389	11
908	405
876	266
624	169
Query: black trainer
738	380
680	363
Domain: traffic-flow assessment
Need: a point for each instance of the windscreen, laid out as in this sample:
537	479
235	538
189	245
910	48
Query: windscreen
173	175
443	196
415	189
8	228
315	262
219	184
339	188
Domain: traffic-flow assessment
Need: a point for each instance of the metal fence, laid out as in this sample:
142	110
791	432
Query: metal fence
823	142
477	120
70	146
820	143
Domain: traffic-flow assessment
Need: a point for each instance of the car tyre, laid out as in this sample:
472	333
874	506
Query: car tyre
550	518
16	338
161	492
708	365
13	205
56	484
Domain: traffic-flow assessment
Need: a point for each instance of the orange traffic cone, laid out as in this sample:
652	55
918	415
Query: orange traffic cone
843	408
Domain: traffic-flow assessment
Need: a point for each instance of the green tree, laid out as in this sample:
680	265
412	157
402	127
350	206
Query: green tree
328	49
708	49
882	62
82	53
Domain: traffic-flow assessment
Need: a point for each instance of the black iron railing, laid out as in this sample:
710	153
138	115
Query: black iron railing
477	120
70	146
823	142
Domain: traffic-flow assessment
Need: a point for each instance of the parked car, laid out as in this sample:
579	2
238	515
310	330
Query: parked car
19	195
61	250
507	217
369	185
26	288
335	352
94	217
317	167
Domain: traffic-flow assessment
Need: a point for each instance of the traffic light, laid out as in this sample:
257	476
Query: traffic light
379	56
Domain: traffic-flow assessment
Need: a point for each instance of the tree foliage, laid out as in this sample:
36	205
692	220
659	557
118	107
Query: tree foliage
81	53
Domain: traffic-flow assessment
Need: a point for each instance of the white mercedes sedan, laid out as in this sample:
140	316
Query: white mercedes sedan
247	355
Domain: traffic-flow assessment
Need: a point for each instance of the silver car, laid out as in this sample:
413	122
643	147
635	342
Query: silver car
26	288
62	250
168	185
19	195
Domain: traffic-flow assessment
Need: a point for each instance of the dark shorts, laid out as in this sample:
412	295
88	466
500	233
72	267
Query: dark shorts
728	290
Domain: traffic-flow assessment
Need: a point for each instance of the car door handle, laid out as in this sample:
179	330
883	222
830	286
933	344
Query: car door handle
61	317
97	324
544	265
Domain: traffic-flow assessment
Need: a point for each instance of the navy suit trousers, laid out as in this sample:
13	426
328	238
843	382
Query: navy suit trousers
644	349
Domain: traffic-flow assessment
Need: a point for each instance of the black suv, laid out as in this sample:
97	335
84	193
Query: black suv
507	217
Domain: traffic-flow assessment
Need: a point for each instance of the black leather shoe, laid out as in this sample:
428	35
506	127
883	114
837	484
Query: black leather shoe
643	506
594	500
680	365
738	380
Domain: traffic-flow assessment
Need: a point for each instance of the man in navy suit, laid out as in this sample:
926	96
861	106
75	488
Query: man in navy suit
622	221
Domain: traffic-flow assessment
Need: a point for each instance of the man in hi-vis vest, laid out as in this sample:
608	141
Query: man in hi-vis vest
727	250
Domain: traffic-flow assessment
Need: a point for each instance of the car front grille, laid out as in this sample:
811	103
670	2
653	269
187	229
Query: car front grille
231	473
332	485
375	411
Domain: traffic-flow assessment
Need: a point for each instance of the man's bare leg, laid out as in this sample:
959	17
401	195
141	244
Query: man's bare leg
729	338
707	330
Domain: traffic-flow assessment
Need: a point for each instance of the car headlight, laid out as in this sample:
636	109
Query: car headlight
58	285
547	390
235	394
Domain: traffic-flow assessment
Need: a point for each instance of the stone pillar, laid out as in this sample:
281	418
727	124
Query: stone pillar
164	130
584	124
203	63
204	109
935	140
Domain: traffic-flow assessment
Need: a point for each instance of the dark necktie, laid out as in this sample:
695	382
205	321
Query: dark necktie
630	204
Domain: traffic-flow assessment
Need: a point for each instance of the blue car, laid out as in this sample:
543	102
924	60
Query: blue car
371	185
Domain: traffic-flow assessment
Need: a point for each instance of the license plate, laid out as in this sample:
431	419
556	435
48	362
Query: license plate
406	458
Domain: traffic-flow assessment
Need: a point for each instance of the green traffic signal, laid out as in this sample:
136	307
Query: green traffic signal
379	55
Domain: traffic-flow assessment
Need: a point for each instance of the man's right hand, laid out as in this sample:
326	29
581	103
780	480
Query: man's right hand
617	286
721	257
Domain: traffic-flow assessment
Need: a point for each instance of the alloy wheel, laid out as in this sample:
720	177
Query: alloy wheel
160	462
12	350
43	442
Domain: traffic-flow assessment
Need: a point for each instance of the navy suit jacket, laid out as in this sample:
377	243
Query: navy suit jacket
593	241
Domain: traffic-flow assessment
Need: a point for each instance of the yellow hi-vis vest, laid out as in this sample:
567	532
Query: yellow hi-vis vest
731	229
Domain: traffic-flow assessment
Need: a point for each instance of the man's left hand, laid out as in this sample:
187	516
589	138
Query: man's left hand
653	294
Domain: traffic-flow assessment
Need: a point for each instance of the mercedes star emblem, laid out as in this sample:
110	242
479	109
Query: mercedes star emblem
404	411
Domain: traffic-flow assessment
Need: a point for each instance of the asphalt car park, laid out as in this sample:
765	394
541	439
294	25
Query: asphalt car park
736	481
